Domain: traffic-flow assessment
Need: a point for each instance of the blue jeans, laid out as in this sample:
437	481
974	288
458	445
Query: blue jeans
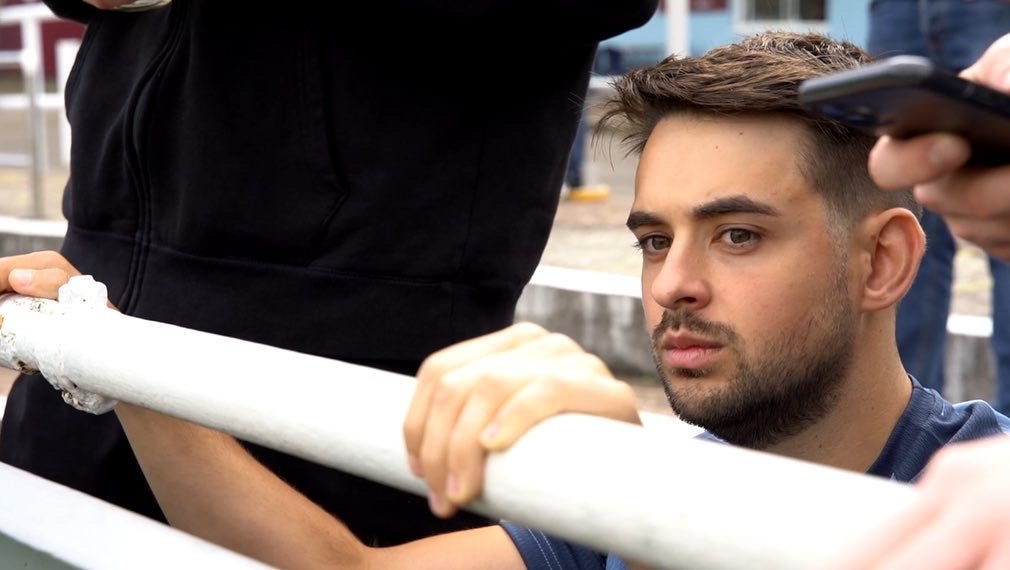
573	176
952	33
608	61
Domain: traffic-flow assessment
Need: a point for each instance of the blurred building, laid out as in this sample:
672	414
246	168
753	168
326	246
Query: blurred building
711	23
52	31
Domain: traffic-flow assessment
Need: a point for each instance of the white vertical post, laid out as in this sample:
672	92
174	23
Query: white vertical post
677	28
66	53
34	84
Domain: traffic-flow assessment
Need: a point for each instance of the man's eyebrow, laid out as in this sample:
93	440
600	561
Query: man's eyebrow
637	219
732	205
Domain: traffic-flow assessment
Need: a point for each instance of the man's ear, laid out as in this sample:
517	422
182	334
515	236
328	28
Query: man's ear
893	244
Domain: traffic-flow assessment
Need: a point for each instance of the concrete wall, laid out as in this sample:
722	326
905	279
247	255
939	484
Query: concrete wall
602	312
22	236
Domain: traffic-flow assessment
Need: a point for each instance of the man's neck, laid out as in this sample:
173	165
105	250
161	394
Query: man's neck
852	435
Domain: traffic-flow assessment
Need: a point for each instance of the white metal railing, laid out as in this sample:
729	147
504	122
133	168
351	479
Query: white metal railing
40	521
35	99
650	494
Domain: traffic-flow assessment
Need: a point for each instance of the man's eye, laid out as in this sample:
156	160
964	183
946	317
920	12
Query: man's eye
649	244
738	237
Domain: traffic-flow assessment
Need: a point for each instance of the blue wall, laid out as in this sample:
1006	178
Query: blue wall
709	29
849	20
651	34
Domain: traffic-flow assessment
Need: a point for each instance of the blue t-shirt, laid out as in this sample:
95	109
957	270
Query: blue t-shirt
928	423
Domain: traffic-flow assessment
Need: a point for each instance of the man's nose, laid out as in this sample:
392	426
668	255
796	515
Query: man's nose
681	281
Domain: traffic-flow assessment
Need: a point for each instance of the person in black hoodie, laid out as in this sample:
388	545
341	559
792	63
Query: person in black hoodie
336	180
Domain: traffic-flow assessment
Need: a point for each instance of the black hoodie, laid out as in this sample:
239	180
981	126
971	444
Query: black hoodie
365	183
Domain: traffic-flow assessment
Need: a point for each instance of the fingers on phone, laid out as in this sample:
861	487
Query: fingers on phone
896	164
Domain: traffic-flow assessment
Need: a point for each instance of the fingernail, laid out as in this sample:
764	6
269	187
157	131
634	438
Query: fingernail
488	433
415	464
452	486
946	152
21	277
436	503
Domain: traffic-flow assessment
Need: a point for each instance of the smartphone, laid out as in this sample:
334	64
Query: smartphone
905	96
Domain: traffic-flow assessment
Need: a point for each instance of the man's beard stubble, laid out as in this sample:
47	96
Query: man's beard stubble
792	384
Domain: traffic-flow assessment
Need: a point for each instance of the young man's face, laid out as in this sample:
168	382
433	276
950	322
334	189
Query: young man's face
743	283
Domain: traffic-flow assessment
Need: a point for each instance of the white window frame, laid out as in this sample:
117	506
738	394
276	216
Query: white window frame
742	25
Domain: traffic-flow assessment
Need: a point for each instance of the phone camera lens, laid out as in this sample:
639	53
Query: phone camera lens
836	111
861	116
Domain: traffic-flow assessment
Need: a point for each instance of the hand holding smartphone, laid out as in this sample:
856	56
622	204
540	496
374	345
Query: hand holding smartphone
905	96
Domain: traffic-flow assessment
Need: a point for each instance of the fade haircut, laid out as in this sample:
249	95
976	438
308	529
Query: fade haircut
760	75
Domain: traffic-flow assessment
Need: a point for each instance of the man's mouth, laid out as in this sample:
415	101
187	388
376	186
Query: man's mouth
685	350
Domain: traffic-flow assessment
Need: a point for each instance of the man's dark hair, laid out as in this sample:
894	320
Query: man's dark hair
760	75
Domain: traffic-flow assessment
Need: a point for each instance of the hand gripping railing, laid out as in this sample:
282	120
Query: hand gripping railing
663	499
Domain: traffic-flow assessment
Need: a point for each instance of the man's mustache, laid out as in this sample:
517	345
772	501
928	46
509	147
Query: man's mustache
687	320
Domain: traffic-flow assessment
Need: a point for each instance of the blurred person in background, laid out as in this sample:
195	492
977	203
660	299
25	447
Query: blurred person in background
608	63
961	518
953	34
